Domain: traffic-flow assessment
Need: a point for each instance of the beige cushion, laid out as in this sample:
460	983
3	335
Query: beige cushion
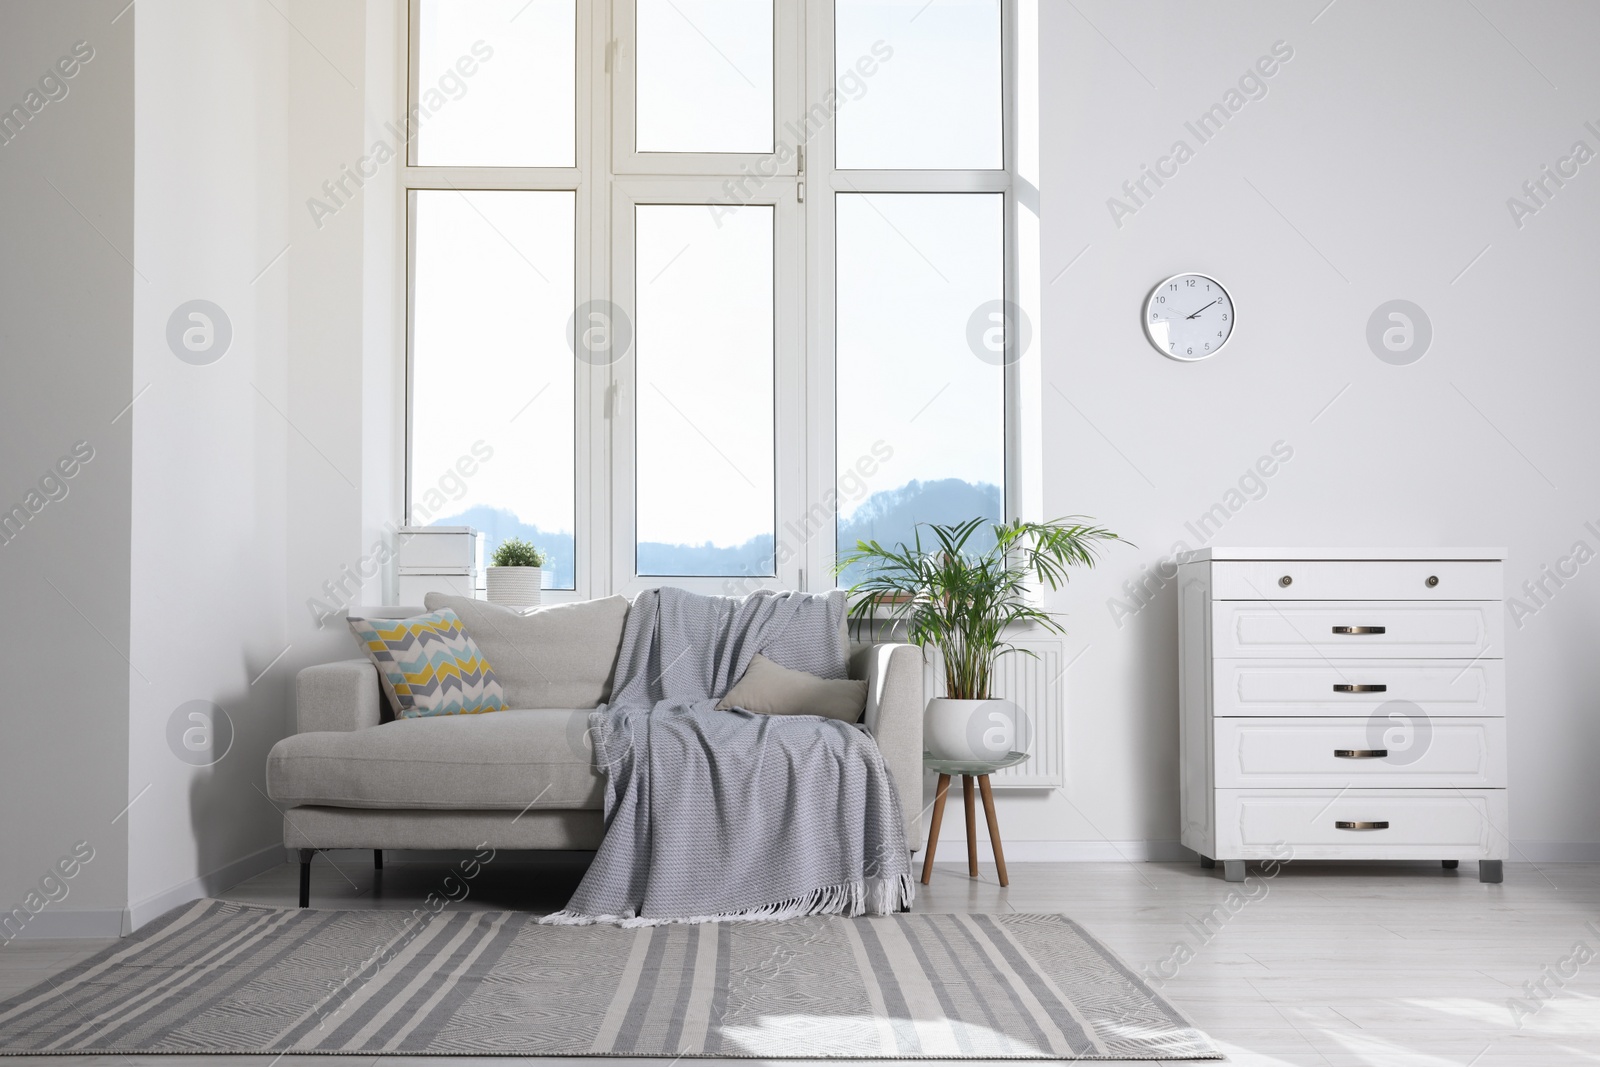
508	761
555	657
769	689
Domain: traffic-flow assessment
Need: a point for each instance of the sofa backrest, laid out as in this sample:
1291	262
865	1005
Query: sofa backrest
562	656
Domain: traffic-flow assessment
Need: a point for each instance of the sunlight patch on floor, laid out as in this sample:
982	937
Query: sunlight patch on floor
849	1034
1375	1049
1568	1012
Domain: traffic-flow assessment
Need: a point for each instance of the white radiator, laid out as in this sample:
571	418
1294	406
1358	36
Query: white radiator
1036	685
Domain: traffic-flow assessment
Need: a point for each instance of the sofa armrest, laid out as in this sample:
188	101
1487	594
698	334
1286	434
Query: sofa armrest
338	696
893	673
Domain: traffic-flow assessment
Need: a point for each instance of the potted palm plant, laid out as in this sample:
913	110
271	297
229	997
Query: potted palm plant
959	597
516	574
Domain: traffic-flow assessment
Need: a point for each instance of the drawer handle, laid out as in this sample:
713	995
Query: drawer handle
1343	687
1360	629
1286	581
1361	753
1348	824
1433	580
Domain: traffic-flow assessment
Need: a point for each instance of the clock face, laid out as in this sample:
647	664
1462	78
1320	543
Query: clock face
1189	317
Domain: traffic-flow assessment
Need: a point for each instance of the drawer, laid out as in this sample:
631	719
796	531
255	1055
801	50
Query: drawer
1357	580
1357	630
1388	750
439	550
1422	823
1282	688
412	588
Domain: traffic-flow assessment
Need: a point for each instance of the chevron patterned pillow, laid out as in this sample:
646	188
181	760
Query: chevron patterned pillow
429	665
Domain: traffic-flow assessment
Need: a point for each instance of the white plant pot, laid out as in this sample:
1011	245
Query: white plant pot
969	729
515	587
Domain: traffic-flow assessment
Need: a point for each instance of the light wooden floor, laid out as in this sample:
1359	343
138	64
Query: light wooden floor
1330	964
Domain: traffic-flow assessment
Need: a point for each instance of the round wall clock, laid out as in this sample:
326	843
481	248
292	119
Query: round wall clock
1189	317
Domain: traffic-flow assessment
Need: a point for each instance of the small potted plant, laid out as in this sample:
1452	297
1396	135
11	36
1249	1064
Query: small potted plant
960	600
515	575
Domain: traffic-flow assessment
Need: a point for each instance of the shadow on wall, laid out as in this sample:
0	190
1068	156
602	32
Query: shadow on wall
1152	688
225	744
208	797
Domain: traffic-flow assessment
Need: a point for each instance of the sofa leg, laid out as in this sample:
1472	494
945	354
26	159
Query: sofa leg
305	876
377	859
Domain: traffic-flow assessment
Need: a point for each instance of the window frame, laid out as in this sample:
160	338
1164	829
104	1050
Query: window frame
580	256
822	260
610	178
591	456
789	416
787	18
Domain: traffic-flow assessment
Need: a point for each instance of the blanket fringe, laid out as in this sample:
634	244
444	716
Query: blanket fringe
876	896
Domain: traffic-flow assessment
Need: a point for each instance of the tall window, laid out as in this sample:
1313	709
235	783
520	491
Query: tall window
705	448
701	291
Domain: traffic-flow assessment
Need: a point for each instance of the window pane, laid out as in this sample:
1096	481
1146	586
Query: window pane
921	430
492	376
704	337
496	82
935	102
704	76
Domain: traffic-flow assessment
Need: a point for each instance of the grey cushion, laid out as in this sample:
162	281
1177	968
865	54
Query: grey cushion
768	689
508	760
556	657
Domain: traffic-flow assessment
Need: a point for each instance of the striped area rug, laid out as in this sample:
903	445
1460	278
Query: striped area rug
219	977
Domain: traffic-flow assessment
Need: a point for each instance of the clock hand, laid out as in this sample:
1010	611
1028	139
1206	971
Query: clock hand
1202	309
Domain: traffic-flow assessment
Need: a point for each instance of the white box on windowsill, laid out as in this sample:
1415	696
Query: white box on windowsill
412	588
440	550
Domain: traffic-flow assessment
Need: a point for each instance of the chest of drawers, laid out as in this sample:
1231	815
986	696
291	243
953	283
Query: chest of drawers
1342	704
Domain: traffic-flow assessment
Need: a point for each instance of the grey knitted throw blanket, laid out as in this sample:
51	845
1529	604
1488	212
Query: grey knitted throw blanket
728	815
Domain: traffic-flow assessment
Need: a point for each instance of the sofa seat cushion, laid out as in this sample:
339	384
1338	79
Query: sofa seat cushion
511	760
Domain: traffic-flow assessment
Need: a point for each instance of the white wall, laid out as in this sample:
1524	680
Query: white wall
383	249
220	501
246	470
66	291
1377	167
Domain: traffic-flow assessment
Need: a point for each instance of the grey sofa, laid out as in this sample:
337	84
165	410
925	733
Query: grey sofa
516	779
